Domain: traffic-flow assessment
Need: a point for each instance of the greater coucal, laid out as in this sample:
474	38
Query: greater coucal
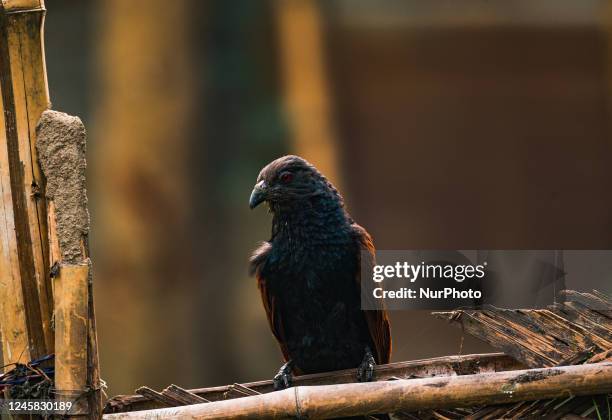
309	277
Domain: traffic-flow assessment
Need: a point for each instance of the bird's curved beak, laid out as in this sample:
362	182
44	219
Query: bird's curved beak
258	195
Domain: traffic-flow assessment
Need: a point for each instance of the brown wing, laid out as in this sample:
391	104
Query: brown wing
257	260
377	320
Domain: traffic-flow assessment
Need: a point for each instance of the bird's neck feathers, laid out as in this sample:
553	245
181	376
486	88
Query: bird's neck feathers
320	216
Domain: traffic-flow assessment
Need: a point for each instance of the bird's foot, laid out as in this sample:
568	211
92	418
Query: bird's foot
365	371
284	377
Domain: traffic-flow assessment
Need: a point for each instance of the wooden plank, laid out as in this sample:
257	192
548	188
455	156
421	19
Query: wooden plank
403	395
439	366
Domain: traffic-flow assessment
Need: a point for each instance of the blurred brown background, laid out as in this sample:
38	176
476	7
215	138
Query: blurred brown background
479	124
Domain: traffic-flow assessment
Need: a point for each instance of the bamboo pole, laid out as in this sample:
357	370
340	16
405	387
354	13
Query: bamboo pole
356	399
71	328
438	366
61	145
25	292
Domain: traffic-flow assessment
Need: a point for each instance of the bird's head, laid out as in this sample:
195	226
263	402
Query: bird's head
290	181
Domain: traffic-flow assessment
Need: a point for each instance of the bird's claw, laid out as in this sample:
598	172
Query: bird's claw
284	377
365	371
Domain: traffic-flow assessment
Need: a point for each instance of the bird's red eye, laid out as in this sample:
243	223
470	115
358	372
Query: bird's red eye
286	177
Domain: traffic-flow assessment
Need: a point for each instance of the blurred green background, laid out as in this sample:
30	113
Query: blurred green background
470	125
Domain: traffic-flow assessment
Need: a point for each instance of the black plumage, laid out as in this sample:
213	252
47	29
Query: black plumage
309	275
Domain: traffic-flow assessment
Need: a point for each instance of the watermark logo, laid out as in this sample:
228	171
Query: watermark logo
427	271
451	279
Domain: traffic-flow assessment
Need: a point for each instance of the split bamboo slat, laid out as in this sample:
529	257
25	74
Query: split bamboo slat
26	303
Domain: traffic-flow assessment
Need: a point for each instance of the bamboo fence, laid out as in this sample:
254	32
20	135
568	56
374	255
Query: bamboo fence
46	302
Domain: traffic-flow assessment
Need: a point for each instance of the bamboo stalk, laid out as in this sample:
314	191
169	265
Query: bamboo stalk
356	399
71	328
25	295
61	146
439	366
